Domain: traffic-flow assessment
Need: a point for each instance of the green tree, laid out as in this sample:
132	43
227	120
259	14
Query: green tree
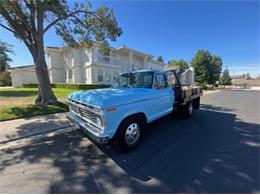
179	63
215	68
207	67
4	58
160	59
201	62
225	78
5	49
76	23
5	79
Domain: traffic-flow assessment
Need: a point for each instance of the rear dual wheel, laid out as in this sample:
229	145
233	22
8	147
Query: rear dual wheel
187	109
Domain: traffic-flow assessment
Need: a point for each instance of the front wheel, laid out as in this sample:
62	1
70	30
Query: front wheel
128	135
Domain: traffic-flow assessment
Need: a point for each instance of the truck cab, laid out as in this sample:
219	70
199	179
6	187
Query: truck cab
118	115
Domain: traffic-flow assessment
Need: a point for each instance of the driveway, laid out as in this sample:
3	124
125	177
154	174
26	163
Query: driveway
215	151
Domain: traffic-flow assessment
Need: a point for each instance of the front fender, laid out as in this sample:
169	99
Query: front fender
134	111
114	118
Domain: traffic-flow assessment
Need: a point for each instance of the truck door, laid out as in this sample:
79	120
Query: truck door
165	94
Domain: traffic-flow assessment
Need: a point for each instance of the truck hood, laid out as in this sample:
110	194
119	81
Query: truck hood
109	97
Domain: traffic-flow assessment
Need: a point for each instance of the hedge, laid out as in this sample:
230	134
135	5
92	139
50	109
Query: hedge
30	85
70	86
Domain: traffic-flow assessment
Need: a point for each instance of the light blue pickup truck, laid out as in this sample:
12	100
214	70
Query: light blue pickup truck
118	115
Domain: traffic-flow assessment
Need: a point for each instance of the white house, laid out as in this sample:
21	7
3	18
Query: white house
91	66
87	65
23	75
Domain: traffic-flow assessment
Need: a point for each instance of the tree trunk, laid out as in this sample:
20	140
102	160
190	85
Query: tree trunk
45	93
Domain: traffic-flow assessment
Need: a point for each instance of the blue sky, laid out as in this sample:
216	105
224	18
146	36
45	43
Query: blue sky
177	29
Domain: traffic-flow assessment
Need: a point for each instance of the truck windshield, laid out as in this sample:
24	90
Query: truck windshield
135	80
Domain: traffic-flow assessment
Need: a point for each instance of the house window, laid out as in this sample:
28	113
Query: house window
100	75
70	74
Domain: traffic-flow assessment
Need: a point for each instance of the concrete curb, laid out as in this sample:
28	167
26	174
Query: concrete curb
210	92
28	139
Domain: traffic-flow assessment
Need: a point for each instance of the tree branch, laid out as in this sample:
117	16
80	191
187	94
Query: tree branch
16	7
32	15
67	16
7	28
17	29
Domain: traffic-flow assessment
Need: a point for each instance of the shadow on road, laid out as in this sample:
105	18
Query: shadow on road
212	152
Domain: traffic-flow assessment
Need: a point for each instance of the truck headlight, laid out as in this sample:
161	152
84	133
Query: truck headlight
99	121
97	110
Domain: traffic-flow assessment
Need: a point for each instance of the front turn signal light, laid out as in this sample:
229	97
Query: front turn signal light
111	109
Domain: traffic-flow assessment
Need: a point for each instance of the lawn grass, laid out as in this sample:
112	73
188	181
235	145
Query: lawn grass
19	103
15	112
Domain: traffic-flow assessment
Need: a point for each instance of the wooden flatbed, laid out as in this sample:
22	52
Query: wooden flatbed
185	95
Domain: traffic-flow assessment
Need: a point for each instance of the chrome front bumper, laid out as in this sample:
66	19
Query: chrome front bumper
91	132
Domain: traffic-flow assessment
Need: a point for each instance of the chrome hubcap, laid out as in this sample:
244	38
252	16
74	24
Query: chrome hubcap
132	134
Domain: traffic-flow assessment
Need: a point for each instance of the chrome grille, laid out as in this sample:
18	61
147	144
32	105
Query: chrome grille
79	109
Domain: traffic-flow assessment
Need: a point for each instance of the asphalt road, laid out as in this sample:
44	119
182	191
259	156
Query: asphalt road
215	151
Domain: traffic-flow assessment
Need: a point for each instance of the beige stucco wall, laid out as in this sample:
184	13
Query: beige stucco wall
78	75
123	60
57	75
107	73
22	76
55	62
138	62
153	65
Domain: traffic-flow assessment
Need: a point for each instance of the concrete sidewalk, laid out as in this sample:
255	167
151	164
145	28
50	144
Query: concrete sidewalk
21	128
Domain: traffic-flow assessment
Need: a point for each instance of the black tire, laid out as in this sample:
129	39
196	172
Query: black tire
187	109
196	103
119	141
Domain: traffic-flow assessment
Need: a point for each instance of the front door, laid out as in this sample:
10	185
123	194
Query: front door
165	95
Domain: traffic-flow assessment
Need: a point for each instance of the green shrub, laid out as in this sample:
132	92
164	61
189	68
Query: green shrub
5	79
70	86
79	86
30	85
205	87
